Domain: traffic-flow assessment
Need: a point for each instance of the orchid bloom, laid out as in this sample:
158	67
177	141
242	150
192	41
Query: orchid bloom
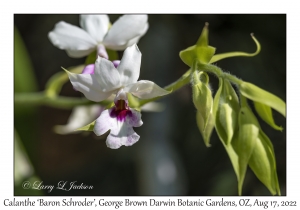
96	34
106	80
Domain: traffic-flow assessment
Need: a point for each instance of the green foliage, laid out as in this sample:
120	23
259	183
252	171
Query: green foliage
24	80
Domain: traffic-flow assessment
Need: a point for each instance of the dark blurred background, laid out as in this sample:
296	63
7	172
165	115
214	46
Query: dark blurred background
170	157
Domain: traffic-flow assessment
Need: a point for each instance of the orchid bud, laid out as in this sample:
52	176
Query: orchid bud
225	111
247	135
203	101
263	163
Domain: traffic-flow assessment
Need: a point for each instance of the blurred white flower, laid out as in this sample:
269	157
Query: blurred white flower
95	34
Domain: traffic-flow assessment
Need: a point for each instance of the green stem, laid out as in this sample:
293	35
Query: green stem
219	73
183	80
58	102
50	97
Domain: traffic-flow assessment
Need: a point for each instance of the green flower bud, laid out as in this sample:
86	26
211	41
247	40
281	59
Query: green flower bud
247	135
263	163
202	96
225	111
207	129
259	95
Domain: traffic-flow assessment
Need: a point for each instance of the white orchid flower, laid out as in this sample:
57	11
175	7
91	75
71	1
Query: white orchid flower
96	35
105	80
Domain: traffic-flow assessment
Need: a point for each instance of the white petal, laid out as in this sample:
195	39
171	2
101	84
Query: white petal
126	136
129	67
74	40
89	86
132	41
134	119
95	25
107	75
104	123
145	89
121	132
126	28
80	116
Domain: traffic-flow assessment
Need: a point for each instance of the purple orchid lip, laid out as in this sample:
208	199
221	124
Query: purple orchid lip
120	111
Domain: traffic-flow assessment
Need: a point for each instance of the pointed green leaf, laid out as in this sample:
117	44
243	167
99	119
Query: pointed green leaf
221	56
89	127
262	163
24	79
259	95
248	133
207	129
265	112
226	109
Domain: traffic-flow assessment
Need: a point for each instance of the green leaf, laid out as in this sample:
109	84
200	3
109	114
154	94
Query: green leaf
262	163
24	79
221	56
248	133
226	109
265	112
205	130
89	127
259	95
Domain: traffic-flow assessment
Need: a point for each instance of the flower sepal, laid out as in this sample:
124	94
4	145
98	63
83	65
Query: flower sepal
201	52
